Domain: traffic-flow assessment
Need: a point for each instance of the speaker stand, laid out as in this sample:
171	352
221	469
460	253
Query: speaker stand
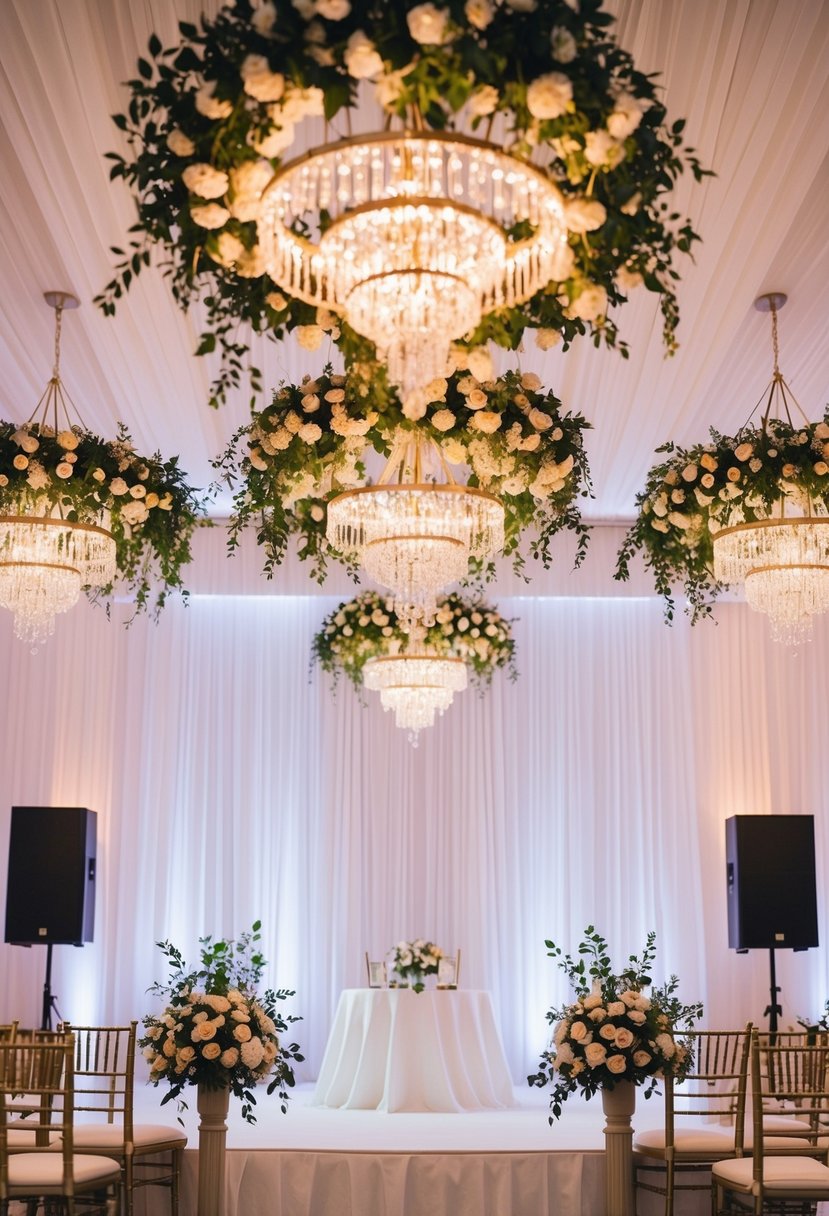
49	1001
773	1010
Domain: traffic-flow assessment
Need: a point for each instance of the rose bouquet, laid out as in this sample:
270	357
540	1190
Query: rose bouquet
215	1030
413	961
613	1031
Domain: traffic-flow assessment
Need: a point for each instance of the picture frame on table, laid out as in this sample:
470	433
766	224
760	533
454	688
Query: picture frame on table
377	974
449	968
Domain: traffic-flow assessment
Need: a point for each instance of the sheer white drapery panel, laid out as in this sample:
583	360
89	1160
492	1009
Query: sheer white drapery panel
232	785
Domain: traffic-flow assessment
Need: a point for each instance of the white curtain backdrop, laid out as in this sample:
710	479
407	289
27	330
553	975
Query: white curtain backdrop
233	784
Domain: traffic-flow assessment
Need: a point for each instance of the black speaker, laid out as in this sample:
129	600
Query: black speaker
51	891
770	866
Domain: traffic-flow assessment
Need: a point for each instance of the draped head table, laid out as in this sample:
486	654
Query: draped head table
394	1049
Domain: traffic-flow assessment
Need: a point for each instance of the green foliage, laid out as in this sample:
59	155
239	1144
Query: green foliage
613	1032
171	124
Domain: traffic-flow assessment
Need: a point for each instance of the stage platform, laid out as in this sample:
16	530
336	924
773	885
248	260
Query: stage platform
318	1162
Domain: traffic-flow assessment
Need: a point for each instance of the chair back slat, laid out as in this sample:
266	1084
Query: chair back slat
105	1071
36	1089
789	1075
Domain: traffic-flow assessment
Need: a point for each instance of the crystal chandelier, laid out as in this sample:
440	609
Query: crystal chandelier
415	245
416	685
45	559
782	559
415	537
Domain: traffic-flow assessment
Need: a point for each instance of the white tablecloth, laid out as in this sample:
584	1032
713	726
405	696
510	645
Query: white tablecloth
398	1050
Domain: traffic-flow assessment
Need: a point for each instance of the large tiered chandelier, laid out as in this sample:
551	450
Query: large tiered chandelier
414	247
416	537
45	558
782	559
416	685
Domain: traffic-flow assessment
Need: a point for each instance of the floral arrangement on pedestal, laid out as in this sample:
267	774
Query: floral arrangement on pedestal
367	626
760	473
413	961
210	119
311	443
216	1030
73	474
613	1032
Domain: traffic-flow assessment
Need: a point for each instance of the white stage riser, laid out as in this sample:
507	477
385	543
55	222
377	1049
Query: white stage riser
305	1183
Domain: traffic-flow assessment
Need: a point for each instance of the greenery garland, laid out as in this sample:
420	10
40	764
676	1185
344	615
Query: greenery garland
310	444
699	490
152	510
210	119
367	626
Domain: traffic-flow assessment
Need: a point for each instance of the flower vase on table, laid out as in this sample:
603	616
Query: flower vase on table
612	1038
413	961
218	1034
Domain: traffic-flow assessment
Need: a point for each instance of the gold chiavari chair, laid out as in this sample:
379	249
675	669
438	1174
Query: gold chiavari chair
704	1116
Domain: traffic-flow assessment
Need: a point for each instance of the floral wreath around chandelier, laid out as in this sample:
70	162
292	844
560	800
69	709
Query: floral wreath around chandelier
366	627
312	442
529	102
750	508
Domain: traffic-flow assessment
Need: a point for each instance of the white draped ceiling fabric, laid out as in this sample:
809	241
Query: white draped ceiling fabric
230	785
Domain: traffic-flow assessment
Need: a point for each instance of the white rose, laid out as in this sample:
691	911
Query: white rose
118	486
590	304
486	420
247	181
300	103
389	88
309	336
454	451
211	215
204	180
210	106
227	249
627	279
479	13
476	399
134	512
427	24
310	432
259	81
563	44
546	339
584	214
626	116
549	96
443	420
531	382
483	101
600	148
362	59
275	142
264	18
179	143
540	420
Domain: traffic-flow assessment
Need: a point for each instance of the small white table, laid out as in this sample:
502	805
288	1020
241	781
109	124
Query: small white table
397	1050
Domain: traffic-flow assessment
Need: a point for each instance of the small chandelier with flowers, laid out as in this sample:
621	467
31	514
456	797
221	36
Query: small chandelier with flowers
752	508
46	555
77	511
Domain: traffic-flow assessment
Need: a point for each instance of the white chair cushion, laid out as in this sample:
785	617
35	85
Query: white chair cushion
42	1173
779	1174
109	1137
20	1138
706	1141
784	1123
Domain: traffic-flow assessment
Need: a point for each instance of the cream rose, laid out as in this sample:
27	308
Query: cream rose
259	81
487	421
210	216
309	336
616	1063
624	1037
209	105
205	181
579	1031
595	1054
241	1032
443	420
584	214
179	143
211	1051
590	304
427	24
562	44
483	101
549	96
362	60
